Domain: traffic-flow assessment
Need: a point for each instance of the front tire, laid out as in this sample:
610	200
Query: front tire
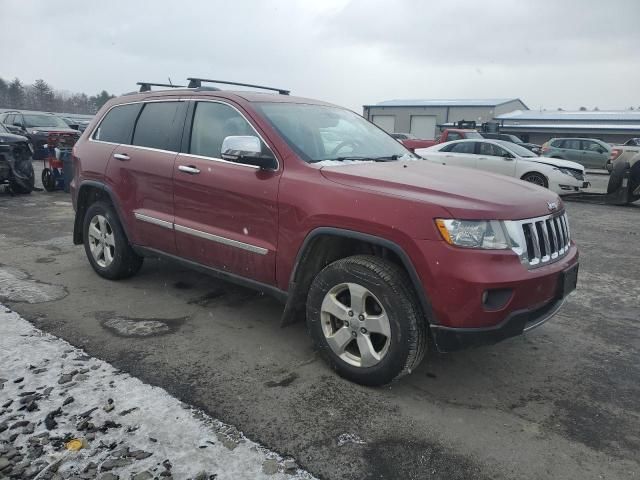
365	320
536	178
106	245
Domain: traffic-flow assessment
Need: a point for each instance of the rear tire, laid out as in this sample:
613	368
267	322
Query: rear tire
25	186
365	320
48	180
106	245
536	178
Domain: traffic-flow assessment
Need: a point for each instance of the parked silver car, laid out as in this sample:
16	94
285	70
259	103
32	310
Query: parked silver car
589	152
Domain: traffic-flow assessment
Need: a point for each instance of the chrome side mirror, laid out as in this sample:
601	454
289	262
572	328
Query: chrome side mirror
247	149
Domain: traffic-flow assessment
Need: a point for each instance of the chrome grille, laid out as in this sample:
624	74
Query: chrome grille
540	241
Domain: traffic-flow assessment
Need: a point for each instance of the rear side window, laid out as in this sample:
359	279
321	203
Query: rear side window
571	144
159	126
117	125
453	136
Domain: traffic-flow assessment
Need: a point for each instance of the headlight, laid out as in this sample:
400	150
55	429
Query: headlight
485	234
563	170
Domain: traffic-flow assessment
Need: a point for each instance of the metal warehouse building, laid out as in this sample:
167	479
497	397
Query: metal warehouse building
423	118
615	126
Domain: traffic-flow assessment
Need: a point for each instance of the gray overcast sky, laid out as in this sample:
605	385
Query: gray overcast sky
547	52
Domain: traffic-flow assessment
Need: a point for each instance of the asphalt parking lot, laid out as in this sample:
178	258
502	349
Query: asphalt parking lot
560	402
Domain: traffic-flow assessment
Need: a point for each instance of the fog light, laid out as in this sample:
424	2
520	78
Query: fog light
496	298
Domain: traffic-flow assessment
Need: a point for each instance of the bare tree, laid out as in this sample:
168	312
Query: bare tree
41	96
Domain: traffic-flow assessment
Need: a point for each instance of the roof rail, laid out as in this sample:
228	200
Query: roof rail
146	86
197	82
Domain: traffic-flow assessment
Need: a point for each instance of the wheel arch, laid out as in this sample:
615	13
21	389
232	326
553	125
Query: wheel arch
537	172
90	192
325	245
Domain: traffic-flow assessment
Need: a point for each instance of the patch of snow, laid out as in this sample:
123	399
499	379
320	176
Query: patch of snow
345	438
16	286
140	328
333	163
143	418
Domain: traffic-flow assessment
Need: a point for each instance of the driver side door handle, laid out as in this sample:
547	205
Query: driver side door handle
190	169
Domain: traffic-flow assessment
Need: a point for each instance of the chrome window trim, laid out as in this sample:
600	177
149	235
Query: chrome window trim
95	129
245	119
222	160
222	240
153	220
201	157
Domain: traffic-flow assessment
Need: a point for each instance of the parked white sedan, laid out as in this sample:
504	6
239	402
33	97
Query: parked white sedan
498	156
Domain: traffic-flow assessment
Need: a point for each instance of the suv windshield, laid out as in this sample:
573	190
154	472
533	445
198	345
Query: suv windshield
517	149
3	129
318	132
43	121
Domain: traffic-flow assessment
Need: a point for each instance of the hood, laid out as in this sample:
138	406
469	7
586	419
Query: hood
465	193
555	162
11	138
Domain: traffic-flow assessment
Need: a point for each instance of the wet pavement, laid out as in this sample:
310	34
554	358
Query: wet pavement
560	402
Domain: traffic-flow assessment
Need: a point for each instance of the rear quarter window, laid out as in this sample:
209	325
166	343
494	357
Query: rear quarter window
117	124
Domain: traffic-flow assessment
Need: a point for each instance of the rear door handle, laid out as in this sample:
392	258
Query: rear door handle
121	156
189	169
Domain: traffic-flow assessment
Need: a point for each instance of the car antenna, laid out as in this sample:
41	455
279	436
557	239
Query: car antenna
146	86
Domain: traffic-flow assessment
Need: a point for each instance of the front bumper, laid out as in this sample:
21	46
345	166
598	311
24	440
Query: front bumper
449	339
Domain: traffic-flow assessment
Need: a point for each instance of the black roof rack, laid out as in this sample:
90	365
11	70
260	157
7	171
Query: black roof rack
197	82
146	86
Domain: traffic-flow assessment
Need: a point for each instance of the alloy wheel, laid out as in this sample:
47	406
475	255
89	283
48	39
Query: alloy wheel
355	325
101	241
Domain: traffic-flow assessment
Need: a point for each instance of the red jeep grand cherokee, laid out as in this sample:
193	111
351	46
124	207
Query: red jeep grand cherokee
313	204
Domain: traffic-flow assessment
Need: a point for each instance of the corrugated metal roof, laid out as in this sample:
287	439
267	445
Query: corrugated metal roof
572	116
571	126
471	102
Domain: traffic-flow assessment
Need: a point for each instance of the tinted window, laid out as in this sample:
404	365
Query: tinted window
453	136
212	122
159	126
117	125
463	147
9	119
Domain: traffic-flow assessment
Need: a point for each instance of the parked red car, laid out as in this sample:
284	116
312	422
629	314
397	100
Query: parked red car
411	141
310	202
447	135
